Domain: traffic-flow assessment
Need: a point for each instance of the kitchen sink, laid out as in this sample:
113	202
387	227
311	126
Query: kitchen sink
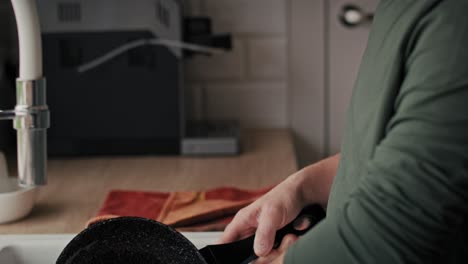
45	249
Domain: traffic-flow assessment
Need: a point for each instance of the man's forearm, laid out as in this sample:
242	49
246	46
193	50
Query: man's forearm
314	181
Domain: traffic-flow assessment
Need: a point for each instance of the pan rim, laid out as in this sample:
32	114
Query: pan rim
65	255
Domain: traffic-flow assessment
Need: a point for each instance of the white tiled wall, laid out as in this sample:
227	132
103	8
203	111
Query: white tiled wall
257	104
256	17
249	83
229	66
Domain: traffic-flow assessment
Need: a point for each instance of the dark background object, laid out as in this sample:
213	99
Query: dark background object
128	105
8	101
8	74
208	138
131	104
198	30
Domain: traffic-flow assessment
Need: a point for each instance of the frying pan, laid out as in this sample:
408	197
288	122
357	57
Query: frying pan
139	240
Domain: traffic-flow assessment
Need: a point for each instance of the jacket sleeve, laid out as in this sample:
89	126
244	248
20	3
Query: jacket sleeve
412	204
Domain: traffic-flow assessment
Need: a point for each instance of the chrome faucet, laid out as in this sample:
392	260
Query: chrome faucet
31	114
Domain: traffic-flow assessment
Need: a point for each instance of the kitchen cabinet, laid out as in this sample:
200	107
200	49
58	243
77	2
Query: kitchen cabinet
346	47
325	55
77	187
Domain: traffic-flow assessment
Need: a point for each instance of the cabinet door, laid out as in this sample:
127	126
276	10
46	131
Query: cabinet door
346	47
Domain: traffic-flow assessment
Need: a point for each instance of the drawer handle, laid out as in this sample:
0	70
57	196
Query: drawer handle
352	16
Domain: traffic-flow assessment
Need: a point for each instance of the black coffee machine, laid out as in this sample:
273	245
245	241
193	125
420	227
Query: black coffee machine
115	76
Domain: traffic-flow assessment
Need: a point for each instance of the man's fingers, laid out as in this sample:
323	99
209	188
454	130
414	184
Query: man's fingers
269	221
240	226
229	235
266	221
288	240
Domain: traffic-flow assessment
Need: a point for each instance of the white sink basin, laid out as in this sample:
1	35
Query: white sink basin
45	249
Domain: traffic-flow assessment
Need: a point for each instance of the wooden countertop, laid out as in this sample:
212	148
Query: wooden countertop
77	187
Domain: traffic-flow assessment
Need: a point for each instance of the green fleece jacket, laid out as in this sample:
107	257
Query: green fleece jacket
401	191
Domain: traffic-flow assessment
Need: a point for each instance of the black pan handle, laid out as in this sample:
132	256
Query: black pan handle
242	251
308	218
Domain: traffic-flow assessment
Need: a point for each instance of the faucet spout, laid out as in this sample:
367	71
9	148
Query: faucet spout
31	118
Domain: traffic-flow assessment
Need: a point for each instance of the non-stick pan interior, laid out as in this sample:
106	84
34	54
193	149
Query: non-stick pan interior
130	240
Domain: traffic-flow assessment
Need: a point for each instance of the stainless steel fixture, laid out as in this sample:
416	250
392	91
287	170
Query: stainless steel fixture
31	125
31	120
31	114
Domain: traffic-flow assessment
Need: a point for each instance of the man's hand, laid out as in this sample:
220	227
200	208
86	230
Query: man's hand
276	256
281	205
265	216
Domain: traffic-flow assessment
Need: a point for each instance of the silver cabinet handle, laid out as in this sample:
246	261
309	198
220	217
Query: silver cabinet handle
353	16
